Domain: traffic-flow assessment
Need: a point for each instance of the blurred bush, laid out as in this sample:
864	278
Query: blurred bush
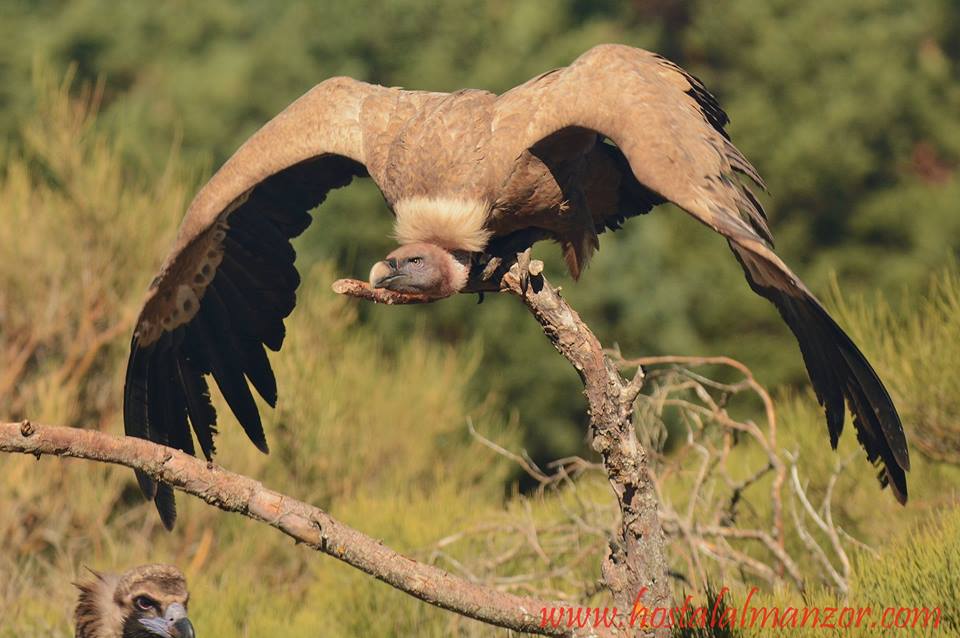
915	571
78	224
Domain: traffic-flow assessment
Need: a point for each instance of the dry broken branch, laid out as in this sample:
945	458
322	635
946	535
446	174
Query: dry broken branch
708	519
707	508
362	290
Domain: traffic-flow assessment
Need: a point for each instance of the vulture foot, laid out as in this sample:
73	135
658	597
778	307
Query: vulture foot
493	263
529	273
501	257
523	269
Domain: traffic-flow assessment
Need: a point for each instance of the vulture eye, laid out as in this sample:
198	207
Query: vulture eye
416	261
144	603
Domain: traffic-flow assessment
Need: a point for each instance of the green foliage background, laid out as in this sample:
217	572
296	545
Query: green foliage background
849	108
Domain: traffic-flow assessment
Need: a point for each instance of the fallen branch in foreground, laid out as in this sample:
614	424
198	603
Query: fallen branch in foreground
304	523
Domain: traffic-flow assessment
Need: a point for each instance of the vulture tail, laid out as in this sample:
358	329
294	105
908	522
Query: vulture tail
839	372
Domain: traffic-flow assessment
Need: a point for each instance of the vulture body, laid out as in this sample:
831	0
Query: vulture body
149	601
569	154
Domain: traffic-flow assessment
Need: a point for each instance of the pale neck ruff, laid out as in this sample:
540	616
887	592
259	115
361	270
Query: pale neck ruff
451	223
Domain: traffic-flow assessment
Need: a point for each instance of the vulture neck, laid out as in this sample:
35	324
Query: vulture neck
453	223
97	616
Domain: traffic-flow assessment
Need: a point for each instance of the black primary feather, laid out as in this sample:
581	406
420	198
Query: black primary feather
225	366
241	311
838	370
196	396
135	406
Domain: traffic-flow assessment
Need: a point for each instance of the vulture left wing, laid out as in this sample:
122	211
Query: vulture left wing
670	130
224	290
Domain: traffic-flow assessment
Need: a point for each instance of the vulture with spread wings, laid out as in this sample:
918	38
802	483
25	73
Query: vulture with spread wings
569	154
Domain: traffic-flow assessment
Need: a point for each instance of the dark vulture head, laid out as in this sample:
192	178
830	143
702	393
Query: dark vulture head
422	268
149	601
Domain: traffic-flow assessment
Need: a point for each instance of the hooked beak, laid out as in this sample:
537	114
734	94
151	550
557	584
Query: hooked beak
174	623
384	272
182	628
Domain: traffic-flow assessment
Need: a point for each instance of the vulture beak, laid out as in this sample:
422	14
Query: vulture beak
174	623
183	628
384	272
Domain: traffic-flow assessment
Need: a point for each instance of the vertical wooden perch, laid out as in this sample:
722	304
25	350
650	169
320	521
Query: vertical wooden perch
637	561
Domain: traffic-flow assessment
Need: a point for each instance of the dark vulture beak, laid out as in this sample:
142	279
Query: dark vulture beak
384	272
182	628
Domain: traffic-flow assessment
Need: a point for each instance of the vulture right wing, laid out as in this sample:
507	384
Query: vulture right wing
670	130
224	290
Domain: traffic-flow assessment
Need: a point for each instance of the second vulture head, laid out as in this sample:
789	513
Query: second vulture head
149	601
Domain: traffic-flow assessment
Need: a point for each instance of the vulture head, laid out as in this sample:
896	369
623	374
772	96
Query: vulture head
438	235
422	268
149	601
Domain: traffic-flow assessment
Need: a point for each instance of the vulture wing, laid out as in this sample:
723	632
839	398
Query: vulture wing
224	290
670	130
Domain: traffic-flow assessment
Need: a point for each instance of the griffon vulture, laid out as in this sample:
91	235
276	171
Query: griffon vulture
149	601
459	171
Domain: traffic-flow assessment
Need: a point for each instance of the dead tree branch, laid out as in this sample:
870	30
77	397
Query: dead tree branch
303	522
718	517
711	498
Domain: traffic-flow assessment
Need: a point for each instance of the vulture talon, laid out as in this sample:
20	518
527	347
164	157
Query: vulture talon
523	268
492	265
